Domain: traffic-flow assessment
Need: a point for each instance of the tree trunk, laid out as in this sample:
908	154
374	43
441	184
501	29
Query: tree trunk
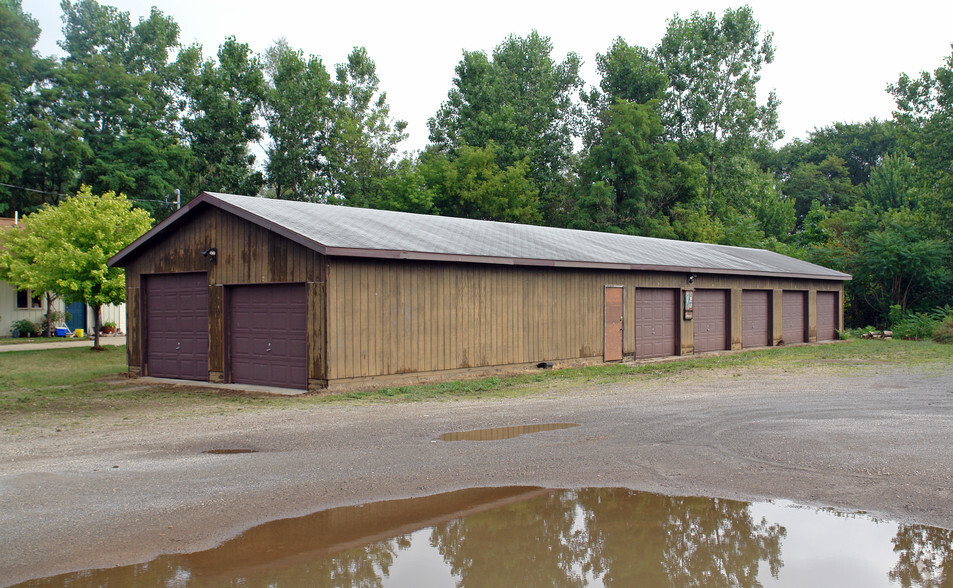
49	314
97	325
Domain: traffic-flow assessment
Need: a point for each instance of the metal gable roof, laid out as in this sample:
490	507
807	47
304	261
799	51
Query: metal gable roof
361	232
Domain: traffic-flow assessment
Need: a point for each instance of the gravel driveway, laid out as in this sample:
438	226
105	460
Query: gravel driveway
114	491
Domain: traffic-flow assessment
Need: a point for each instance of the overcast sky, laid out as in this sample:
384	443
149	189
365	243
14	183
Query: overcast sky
833	59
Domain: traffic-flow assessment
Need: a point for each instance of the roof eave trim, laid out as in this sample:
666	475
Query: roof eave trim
519	261
206	198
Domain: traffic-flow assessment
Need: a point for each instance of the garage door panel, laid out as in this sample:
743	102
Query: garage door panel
827	316
755	318
268	343
177	326
711	320
655	322
793	317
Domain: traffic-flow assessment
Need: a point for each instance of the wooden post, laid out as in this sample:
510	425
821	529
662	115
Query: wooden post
735	318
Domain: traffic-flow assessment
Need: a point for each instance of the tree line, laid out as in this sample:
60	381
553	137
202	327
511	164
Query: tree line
673	142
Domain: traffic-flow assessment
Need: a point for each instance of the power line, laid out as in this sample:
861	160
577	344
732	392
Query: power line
76	195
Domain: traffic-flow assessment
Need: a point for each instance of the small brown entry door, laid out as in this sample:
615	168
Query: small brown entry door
613	318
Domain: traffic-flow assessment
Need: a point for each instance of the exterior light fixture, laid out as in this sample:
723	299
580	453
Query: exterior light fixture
211	253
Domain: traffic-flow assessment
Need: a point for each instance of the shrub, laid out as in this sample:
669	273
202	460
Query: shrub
943	333
914	325
857	333
25	328
919	325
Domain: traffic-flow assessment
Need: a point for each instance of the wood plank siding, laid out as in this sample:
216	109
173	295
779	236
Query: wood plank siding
245	254
399	317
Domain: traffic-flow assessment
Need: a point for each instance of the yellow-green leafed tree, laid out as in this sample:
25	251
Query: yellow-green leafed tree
65	249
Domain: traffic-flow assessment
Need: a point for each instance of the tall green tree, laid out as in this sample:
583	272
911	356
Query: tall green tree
473	185
299	119
827	184
893	183
117	87
925	116
21	77
224	99
627	72
630	178
861	146
364	139
898	266
713	66
65	249
520	100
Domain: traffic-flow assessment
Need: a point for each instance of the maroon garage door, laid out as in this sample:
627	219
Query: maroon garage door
793	313
827	312
711	320
655	322
755	318
268	335
176	326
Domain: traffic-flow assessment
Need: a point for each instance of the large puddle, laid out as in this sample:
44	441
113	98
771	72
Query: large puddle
522	536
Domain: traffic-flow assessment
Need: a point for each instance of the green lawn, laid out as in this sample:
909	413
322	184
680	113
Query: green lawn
79	382
849	356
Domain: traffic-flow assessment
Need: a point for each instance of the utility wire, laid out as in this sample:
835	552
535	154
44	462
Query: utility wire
77	195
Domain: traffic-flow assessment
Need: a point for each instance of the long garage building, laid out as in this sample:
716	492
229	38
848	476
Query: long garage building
310	296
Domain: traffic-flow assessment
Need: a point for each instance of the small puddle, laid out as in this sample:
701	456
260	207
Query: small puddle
229	451
527	536
498	433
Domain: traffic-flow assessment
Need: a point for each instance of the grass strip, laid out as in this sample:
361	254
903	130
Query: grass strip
82	381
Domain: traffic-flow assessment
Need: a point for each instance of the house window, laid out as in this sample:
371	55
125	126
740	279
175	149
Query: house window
24	300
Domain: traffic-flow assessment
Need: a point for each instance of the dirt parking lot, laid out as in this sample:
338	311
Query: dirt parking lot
113	490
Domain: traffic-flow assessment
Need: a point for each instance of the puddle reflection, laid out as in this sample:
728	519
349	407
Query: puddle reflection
523	536
499	433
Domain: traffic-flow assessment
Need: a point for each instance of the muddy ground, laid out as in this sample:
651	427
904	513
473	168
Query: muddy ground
111	490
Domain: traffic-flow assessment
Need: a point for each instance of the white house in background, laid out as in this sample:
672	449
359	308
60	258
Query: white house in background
17	305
